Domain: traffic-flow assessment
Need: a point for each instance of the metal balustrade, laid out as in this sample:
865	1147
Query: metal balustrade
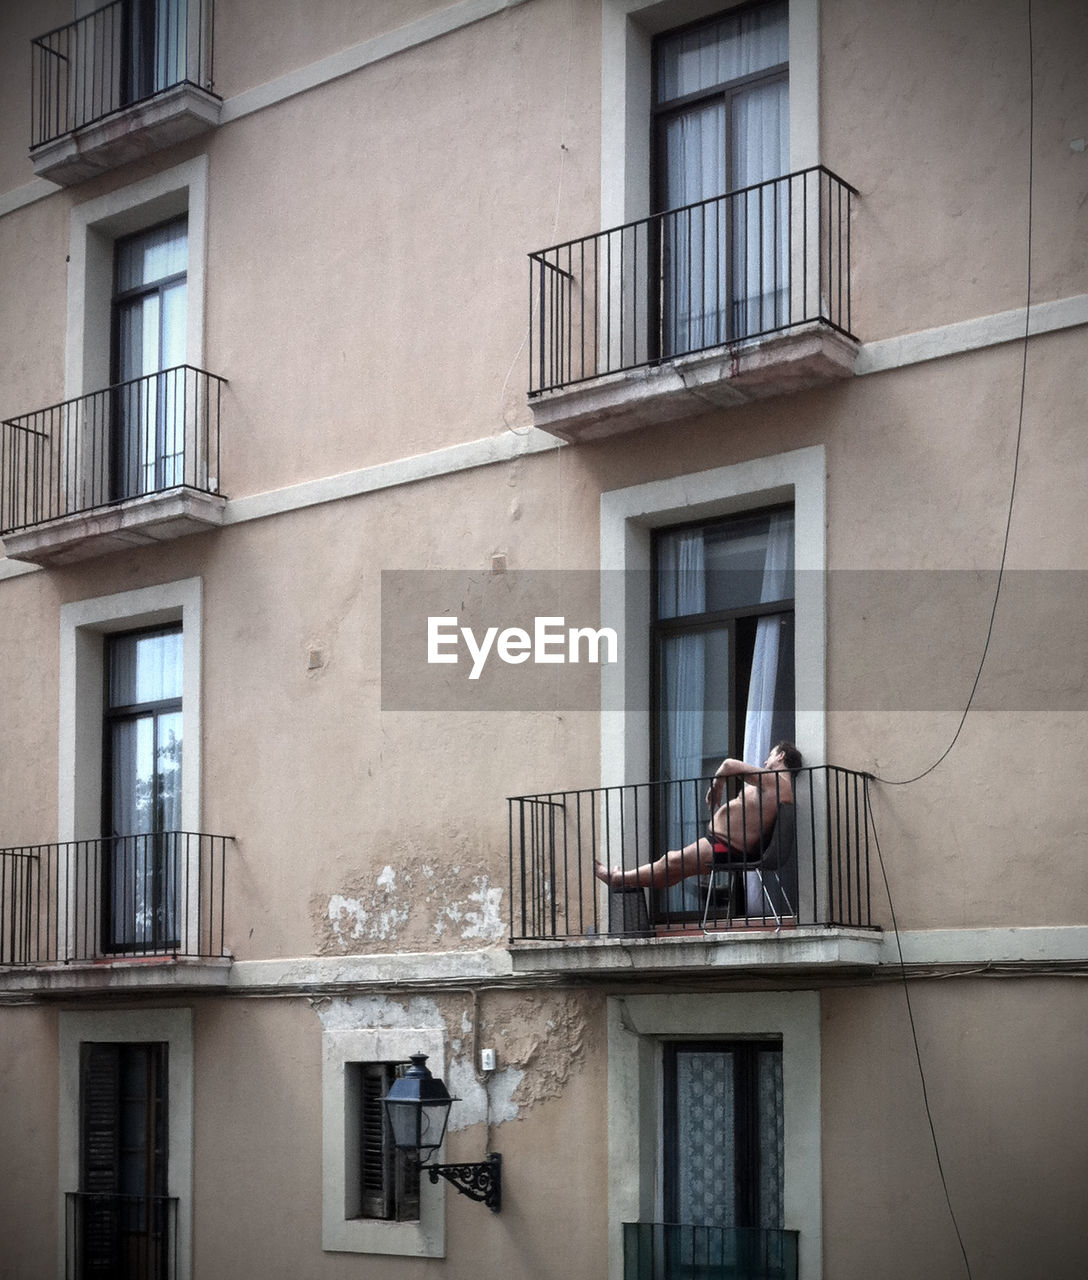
123	1237
139	895
823	878
759	261
667	1251
140	437
119	55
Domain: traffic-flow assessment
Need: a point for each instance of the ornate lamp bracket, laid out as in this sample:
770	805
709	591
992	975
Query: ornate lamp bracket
481	1182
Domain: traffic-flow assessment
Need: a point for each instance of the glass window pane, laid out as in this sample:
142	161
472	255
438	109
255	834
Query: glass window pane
145	668
706	1142
771	1139
152	256
723	50
732	565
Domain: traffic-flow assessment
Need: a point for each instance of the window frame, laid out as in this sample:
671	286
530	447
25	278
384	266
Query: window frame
342	1229
627	31
663	628
725	90
174	1029
84	624
638	1027
745	1130
628	517
96	226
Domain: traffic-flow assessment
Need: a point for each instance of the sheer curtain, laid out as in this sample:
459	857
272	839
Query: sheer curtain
759	149
763	685
682	577
727	141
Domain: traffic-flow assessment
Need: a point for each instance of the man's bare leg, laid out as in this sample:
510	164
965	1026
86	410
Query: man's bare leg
676	865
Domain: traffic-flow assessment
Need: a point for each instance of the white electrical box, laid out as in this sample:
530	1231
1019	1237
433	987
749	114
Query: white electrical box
487	1059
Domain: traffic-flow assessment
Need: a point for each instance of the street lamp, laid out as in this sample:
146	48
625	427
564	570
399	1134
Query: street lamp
418	1108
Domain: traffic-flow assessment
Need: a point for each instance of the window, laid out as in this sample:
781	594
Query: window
706	1089
723	641
721	124
628	29
142	749
122	1224
372	1200
387	1181
125	1144
153	39
172	207
146	661
636	524
149	328
723	1134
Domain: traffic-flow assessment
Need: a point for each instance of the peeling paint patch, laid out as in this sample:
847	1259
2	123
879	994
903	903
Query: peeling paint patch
406	901
482	918
473	1106
347	1013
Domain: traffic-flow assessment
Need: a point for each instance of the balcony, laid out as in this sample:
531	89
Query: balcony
123	1237
665	1251
719	303
128	79
141	911
809	907
136	463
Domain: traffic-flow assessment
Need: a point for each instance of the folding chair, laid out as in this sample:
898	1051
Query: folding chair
771	858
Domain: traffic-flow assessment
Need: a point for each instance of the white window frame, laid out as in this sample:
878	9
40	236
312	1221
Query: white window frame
83	624
628	517
627	31
96	225
83	627
174	1027
340	1163
637	1028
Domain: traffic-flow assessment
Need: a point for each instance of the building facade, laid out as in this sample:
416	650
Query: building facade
434	437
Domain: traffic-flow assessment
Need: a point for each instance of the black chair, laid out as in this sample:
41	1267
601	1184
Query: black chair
772	858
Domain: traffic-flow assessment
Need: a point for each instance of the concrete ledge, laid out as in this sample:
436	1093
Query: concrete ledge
721	378
136	522
180	112
747	950
147	974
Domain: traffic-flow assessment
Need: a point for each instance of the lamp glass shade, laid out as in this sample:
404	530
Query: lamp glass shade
418	1108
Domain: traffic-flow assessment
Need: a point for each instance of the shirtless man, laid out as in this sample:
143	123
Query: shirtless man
736	827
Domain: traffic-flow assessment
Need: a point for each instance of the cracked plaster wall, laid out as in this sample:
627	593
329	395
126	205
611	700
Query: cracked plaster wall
417	905
541	1040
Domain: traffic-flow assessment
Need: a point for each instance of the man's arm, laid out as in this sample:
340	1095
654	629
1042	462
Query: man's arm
728	768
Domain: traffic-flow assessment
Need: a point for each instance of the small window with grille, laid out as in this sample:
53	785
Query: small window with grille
387	1183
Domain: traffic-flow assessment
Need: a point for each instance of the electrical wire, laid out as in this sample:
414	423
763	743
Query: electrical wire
914	1036
904	782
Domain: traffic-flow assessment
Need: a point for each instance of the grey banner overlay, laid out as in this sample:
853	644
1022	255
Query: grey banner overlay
897	640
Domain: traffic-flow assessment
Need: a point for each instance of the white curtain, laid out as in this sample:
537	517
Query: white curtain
759	150
700	246
758	723
682	580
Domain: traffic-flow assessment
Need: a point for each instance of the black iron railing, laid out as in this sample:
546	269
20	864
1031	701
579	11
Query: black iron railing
754	262
139	437
816	871
120	1237
156	894
115	57
665	1251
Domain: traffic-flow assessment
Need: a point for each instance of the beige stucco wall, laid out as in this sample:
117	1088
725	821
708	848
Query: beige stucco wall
258	1200
28	1143
360	321
995	1055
